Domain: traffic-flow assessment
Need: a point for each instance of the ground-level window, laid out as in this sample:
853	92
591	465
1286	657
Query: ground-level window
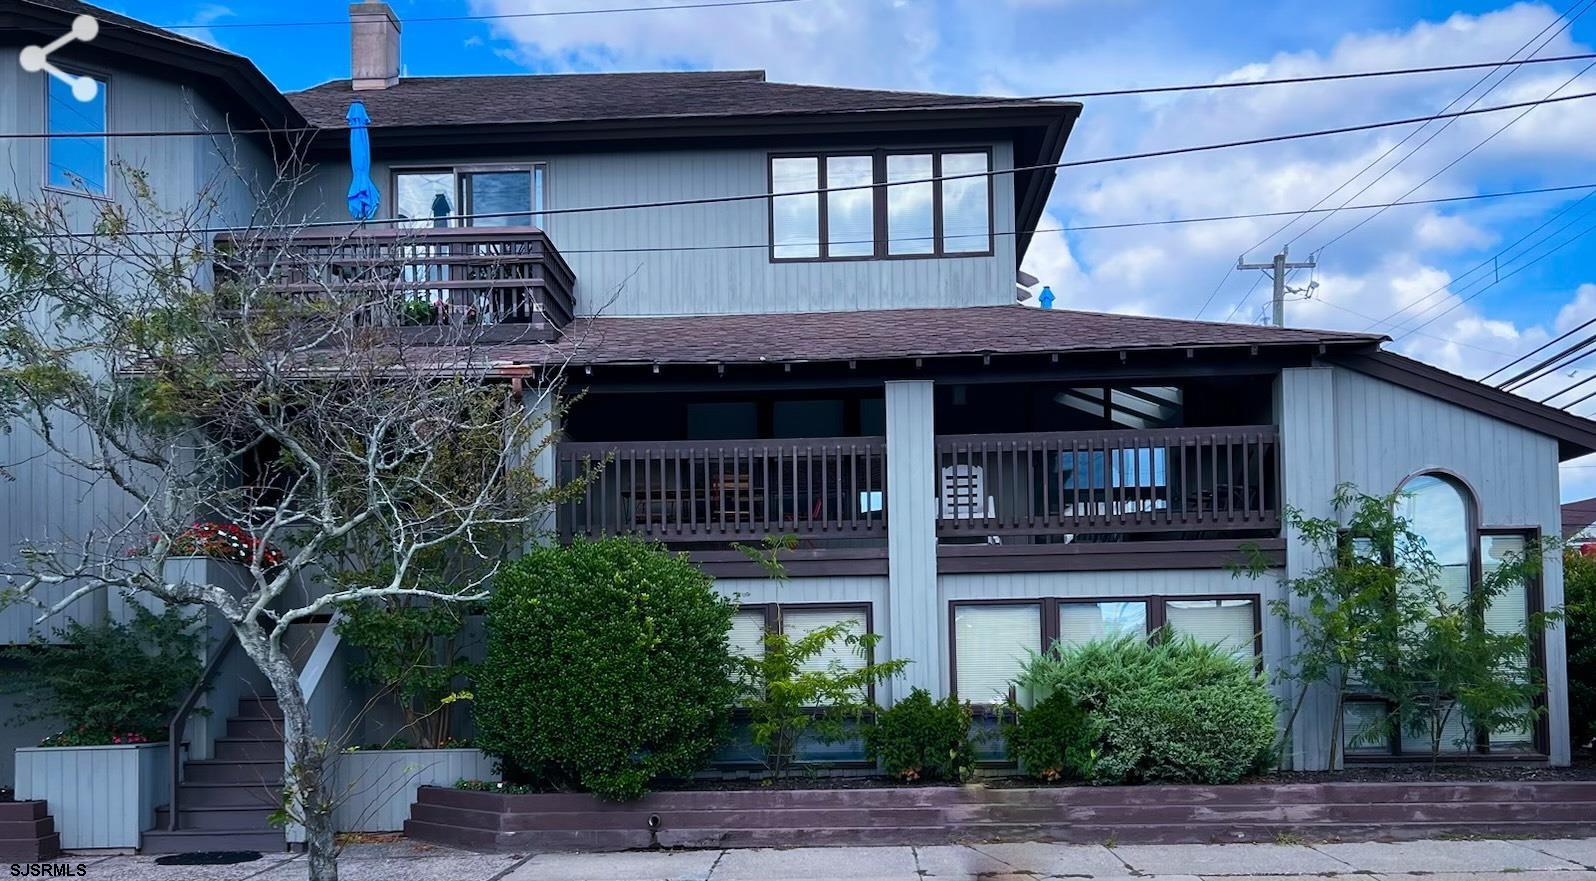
991	641
750	624
1442	513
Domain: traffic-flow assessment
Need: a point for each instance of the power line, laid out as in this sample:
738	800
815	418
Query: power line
1540	348
986	101
1398	145
192	26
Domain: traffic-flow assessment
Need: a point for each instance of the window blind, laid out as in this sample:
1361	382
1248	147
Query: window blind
1228	624
991	646
747	637
799	623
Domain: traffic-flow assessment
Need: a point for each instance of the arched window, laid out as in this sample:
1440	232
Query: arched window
1440	511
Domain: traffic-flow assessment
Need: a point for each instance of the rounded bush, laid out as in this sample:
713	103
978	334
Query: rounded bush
919	739
607	667
1053	740
1169	711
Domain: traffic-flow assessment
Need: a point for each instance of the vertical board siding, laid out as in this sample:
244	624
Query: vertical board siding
1309	446
376	788
614	281
100	796
1385	433
912	614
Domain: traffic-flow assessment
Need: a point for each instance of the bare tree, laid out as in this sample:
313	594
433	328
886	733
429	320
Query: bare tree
327	395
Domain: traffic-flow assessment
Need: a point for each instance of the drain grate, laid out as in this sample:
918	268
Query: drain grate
209	858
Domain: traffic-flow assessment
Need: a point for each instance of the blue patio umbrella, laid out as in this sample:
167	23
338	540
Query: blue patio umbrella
363	196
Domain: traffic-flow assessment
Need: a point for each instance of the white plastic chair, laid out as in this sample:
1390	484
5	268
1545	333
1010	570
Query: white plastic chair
962	493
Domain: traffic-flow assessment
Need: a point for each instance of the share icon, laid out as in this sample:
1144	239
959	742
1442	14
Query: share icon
37	58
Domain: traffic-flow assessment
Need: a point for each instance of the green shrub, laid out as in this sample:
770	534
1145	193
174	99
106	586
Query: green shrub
921	739
1053	740
1168	711
109	683
607	667
1579	601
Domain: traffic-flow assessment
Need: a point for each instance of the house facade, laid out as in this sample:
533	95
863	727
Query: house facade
760	350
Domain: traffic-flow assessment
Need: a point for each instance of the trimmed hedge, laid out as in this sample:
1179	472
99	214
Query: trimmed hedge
1054	740
607	667
1169	711
918	739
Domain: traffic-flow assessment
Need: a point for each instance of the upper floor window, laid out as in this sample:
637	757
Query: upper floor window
933	203
76	163
483	195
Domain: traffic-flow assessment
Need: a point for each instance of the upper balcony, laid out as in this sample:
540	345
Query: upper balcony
509	281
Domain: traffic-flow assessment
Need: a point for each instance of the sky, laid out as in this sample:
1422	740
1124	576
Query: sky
1465	285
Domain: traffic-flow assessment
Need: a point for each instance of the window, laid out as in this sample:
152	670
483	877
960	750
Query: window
1441	513
750	624
77	163
991	646
905	212
495	196
1229	624
1080	623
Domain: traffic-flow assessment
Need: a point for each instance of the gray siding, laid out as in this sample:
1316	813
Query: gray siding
912	536
100	796
59	505
738	280
375	788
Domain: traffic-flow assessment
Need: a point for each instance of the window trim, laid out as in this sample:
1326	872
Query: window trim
1157	621
104	77
1535	603
880	251
457	173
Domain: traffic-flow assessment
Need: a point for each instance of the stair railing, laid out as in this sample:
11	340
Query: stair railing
174	733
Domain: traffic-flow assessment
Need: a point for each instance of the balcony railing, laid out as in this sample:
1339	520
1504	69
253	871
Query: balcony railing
431	276
1092	485
718	491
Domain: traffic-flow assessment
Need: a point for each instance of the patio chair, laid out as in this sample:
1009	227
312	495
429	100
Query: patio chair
963	496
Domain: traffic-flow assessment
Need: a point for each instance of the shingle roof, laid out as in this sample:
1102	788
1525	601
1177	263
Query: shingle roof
1577	516
586	97
894	333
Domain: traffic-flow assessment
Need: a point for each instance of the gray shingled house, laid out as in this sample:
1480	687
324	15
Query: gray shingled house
969	477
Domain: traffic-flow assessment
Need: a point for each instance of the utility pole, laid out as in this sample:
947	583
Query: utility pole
1277	270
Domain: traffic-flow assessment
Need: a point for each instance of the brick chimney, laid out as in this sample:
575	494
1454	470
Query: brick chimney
373	46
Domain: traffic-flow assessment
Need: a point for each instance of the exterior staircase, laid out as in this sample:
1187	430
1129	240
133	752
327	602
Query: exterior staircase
226	802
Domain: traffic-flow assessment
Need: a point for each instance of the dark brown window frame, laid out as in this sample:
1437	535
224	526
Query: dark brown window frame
1157	619
881	246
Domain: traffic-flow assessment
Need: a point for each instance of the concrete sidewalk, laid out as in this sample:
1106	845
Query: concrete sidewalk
1460	860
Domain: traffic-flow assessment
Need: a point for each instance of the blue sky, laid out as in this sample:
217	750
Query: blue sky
1406	262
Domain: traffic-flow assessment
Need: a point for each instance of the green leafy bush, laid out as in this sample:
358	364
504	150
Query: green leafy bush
1053	740
607	666
1579	599
413	651
921	739
1168	711
109	683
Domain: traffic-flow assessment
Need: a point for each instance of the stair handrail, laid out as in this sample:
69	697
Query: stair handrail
174	732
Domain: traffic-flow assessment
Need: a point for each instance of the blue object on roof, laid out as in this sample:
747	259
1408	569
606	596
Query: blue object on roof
1046	300
363	196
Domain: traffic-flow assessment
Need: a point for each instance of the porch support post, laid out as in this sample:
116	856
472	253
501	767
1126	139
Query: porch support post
911	615
1305	408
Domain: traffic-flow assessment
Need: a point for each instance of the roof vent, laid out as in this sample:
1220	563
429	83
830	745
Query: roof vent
373	46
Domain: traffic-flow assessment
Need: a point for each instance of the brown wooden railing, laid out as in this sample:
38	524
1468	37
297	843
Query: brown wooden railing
426	276
1190	480
688	491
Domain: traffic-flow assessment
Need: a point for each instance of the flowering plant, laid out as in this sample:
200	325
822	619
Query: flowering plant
223	541
82	736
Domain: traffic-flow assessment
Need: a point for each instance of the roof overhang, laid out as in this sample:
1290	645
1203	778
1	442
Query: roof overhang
231	79
1576	435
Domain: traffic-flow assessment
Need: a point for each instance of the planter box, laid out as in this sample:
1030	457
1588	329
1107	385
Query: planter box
100	796
377	786
927	815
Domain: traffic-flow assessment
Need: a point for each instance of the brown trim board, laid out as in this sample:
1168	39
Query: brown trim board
1108	556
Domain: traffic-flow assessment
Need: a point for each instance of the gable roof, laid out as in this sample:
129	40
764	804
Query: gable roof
1576	435
588	97
688	108
154	51
885	334
1577	516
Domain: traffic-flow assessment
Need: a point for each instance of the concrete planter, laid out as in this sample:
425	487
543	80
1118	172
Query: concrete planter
928	815
377	786
100	796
